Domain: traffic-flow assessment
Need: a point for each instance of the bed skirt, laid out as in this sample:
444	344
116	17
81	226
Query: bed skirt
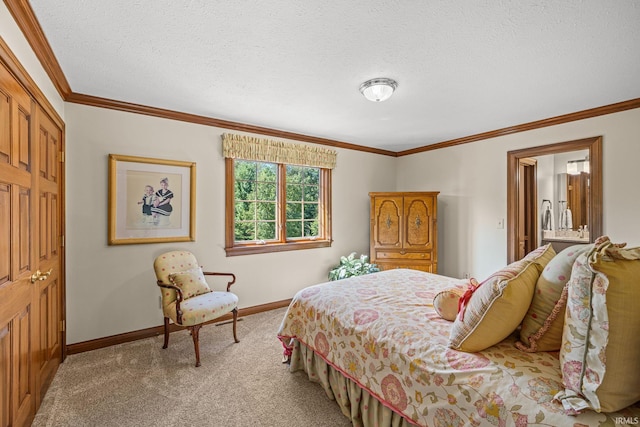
357	404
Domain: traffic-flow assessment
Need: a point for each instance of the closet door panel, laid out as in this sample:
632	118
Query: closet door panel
18	245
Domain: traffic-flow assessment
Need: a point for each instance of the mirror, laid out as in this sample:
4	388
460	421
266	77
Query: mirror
563	192
540	173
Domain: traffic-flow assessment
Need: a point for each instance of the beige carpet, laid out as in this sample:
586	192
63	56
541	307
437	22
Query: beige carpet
140	384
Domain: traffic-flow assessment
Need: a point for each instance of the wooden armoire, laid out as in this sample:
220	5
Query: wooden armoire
404	232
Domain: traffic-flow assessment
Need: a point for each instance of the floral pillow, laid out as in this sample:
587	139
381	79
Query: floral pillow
192	282
542	325
499	304
600	353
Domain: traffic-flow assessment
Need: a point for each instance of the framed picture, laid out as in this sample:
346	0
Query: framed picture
151	200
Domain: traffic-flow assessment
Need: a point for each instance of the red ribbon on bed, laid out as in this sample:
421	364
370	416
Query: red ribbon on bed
464	299
287	344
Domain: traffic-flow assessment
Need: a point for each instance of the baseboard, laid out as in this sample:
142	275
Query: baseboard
159	330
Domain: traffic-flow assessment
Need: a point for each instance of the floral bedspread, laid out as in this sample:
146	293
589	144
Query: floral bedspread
381	331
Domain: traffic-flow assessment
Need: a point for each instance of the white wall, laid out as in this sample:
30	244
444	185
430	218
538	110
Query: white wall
471	179
112	290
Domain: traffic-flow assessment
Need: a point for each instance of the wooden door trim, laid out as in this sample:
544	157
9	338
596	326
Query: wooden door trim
594	145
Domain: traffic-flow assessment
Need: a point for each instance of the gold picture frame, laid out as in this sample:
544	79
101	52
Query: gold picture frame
151	200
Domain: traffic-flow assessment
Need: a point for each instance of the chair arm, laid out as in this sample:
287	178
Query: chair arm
233	277
179	298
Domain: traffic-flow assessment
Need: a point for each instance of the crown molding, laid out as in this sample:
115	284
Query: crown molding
565	118
95	101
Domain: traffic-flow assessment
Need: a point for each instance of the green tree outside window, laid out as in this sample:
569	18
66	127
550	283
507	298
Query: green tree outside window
256	201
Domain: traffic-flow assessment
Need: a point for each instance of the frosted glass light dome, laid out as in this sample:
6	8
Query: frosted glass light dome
378	90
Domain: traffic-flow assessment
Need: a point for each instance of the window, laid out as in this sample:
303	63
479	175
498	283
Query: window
276	206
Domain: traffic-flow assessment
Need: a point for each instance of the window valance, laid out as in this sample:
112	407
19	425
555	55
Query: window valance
267	150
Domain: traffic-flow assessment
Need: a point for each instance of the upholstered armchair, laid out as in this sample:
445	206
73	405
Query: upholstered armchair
187	299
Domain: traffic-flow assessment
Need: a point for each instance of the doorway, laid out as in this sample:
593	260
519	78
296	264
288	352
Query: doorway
527	231
594	195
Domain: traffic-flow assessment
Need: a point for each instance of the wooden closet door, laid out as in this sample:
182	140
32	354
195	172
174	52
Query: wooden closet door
18	245
48	298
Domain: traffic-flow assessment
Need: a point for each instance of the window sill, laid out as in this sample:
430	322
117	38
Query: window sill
276	247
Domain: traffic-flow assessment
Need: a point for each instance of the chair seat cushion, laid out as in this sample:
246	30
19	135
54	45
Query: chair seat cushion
203	308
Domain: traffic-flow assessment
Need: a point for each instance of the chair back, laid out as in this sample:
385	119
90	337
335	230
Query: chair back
172	262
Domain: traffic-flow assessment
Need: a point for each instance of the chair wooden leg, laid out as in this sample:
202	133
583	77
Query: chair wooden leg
235	321
196	342
166	332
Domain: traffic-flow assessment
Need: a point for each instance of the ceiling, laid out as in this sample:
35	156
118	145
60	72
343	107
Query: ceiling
463	68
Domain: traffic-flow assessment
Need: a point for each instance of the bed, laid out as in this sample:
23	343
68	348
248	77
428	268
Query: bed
378	348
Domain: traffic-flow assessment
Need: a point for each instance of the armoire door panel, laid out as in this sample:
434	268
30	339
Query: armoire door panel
418	212
388	222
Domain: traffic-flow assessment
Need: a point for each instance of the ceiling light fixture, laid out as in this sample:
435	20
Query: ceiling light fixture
575	167
379	89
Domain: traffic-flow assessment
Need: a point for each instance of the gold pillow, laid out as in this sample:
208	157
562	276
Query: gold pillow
600	354
192	282
542	255
499	304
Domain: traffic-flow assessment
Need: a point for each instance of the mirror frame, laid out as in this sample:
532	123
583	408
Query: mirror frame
594	145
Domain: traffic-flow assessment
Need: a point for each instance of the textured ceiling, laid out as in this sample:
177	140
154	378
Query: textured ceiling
463	68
